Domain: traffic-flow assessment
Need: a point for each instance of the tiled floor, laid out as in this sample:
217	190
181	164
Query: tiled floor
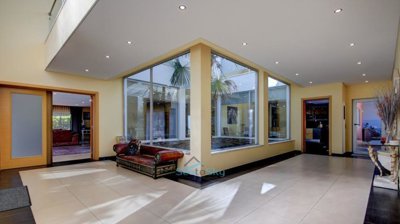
303	189
63	158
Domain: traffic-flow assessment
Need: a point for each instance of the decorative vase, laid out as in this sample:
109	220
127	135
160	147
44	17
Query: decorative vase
388	135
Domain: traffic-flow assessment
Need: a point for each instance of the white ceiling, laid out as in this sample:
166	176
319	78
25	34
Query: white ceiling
306	37
70	99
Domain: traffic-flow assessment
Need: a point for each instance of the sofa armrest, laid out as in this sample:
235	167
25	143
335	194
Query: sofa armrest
120	148
167	156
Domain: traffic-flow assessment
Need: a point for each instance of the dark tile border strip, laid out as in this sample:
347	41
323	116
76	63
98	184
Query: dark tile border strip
206	181
8	179
383	205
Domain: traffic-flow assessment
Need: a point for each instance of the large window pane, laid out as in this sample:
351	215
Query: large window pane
278	110
233	104
138	107
158	104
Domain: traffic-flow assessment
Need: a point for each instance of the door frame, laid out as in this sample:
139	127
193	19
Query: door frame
94	113
303	120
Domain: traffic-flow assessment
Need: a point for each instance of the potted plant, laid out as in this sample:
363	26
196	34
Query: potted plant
387	104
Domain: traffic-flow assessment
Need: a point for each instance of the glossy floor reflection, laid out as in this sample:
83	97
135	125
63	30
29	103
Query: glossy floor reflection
303	189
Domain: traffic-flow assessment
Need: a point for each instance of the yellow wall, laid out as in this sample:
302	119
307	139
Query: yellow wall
396	72
24	26
335	91
359	91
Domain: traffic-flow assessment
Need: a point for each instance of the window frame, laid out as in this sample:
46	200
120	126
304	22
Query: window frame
151	83
288	112
258	73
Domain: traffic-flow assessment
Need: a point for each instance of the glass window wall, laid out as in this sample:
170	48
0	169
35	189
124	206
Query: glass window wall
158	104
233	104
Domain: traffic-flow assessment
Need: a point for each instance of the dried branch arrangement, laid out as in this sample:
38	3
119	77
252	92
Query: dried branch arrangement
387	104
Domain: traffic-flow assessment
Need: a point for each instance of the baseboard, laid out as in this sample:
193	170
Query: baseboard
107	158
350	155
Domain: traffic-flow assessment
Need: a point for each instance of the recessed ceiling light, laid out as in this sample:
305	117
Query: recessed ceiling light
108	56
364	74
90	100
86	70
352	44
338	10
244	43
182	7
297	74
310	82
359	63
130	42
366	81
277	62
83	102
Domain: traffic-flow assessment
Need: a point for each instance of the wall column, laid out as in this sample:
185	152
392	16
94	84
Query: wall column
200	103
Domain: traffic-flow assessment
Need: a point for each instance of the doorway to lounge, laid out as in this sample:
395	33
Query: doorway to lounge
71	127
367	125
316	126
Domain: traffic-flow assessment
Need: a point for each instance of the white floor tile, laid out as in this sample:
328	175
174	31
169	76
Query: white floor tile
304	189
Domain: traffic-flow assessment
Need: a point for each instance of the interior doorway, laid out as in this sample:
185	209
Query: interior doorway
71	127
316	126
367	126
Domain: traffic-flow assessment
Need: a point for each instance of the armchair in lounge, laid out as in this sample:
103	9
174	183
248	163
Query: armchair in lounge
149	160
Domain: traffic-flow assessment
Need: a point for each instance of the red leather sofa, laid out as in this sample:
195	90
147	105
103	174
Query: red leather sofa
65	137
149	160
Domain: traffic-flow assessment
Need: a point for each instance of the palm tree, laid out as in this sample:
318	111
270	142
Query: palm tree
181	75
220	85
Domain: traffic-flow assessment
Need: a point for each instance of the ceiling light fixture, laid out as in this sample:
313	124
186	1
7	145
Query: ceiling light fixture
130	42
338	10
352	44
297	74
86	70
364	74
359	63
366	81
182	7
244	44
310	82
83	102
277	62
108	56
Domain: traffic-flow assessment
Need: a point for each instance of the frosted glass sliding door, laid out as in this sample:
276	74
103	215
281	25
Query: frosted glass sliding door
26	125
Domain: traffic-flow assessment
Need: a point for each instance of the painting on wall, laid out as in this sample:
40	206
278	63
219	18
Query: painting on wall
232	115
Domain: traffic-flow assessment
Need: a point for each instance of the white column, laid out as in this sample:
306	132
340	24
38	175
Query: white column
181	113
218	117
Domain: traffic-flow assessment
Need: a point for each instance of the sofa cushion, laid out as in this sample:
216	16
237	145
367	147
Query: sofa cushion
133	147
140	159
